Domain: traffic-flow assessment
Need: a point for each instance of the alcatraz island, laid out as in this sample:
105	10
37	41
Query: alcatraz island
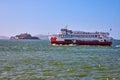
24	36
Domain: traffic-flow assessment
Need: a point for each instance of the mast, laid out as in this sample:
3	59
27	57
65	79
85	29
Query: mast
66	29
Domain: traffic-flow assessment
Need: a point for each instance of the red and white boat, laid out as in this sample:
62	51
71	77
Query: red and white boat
69	37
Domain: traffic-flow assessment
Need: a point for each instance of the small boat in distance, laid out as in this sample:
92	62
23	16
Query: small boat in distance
69	37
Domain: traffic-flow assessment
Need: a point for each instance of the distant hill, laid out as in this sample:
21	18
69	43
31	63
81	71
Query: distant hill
43	37
4	37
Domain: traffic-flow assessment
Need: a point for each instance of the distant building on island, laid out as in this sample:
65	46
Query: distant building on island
23	36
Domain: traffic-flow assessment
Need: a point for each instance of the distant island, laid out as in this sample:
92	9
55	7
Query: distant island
24	36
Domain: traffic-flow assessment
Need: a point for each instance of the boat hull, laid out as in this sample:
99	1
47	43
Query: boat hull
93	43
78	42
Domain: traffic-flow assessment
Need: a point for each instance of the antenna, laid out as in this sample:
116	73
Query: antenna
66	27
110	31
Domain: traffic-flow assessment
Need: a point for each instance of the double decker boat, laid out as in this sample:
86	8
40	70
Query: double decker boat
69	37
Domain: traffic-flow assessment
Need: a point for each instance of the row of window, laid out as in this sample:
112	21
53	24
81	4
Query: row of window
80	36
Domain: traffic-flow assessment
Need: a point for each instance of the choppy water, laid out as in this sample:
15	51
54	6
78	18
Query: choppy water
38	60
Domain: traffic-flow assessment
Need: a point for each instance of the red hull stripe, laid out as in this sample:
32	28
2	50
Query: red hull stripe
82	43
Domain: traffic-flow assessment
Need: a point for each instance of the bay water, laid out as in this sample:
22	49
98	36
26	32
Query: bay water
39	60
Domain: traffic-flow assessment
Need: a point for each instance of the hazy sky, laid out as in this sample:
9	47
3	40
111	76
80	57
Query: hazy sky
48	16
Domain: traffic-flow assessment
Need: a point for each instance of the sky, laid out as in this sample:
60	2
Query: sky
49	16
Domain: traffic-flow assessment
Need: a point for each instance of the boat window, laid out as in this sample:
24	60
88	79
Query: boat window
95	35
100	37
59	35
104	40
